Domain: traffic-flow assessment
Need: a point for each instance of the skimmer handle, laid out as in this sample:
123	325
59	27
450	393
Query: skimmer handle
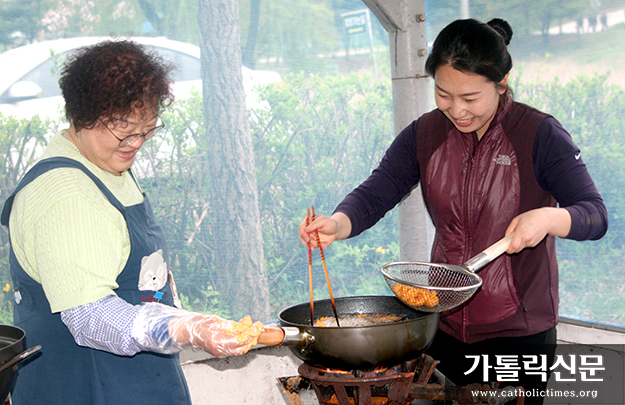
489	254
498	248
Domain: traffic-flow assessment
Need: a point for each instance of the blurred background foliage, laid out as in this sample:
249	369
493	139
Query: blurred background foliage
319	137
322	129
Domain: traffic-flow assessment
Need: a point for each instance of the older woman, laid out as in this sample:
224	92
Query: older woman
87	251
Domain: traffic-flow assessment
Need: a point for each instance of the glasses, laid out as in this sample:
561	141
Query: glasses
130	139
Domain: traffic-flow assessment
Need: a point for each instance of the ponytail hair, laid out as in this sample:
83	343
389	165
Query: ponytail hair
473	47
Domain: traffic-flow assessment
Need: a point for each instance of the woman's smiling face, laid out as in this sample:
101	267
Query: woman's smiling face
469	100
100	145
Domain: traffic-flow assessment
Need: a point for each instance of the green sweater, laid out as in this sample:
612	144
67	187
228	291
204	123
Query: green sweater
65	233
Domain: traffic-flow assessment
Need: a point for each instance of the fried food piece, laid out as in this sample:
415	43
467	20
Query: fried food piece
244	329
414	296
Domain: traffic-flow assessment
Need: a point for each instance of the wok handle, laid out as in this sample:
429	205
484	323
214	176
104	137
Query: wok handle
22	356
271	337
285	336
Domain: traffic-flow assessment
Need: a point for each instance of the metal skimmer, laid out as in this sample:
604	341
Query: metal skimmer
451	284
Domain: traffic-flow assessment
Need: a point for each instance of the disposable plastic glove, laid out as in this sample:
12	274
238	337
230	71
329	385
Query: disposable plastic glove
166	329
218	336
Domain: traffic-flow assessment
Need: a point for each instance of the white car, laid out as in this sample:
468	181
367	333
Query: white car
28	86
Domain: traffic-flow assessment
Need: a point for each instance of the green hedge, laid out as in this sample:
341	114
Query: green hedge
317	138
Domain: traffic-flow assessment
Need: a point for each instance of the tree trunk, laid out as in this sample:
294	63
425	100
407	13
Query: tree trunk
150	13
229	161
252	34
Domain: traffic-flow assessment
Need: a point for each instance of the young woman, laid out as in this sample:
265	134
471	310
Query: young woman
488	166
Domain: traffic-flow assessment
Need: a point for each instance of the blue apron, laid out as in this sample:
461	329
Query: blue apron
66	373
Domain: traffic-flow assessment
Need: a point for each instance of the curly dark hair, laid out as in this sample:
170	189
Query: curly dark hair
114	79
472	46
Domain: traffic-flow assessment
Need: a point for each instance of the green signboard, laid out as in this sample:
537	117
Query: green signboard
356	22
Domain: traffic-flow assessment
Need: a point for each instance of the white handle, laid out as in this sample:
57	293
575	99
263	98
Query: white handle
498	248
489	254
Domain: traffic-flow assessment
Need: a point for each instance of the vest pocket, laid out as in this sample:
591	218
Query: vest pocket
498	298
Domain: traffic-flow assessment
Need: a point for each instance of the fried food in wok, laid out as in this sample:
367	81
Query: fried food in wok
358	320
415	296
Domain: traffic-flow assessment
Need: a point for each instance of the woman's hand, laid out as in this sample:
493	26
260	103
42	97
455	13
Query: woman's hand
336	227
218	336
531	227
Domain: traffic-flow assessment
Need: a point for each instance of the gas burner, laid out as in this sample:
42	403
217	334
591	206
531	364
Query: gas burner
401	384
380	386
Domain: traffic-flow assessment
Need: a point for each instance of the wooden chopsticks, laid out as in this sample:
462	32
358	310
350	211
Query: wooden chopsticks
310	276
310	217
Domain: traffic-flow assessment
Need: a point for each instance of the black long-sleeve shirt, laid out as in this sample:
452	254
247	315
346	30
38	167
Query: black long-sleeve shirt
570	184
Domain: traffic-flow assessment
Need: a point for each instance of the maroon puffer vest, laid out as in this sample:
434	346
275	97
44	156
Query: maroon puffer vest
473	190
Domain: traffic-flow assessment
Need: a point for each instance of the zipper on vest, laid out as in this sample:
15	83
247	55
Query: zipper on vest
468	242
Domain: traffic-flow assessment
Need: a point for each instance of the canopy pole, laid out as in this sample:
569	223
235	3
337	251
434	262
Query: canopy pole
404	20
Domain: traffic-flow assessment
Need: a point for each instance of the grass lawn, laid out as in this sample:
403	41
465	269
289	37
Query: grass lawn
567	55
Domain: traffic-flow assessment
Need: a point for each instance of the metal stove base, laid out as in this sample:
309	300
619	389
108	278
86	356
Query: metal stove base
299	391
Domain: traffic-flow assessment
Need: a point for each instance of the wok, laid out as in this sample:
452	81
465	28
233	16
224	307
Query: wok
354	347
12	344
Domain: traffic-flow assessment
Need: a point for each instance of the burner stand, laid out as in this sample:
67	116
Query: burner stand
413	380
380	386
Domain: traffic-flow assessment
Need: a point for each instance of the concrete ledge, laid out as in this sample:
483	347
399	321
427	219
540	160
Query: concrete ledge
589	333
248	379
